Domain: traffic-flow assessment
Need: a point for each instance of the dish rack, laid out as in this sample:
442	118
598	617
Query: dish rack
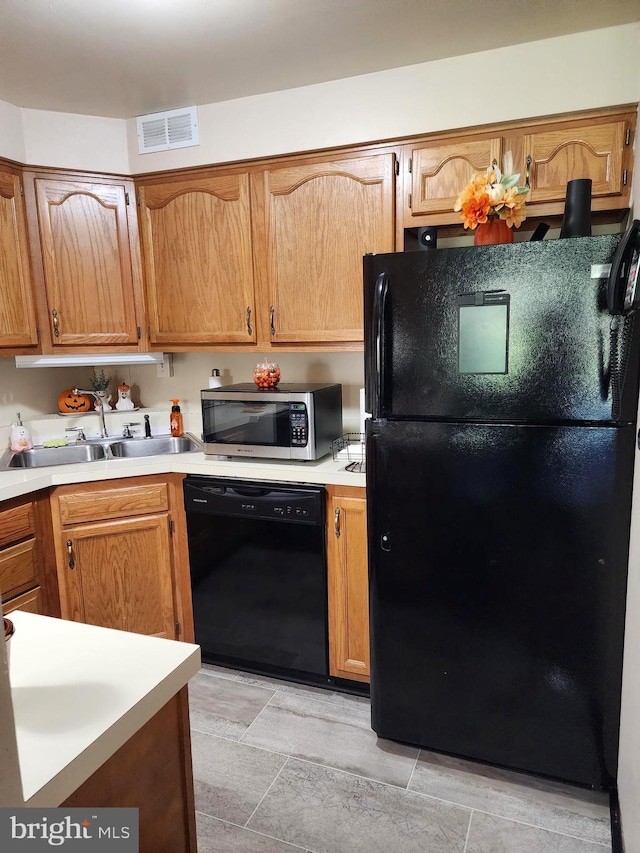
350	447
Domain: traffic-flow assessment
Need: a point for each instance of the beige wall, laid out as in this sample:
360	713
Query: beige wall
585	70
582	71
629	769
11	133
34	391
75	142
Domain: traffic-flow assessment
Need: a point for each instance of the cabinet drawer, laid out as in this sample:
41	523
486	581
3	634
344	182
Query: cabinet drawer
113	503
30	601
18	566
16	523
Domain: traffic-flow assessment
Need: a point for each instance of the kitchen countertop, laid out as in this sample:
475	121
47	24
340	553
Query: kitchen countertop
325	471
80	692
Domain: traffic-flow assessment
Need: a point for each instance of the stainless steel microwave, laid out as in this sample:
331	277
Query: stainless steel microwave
294	421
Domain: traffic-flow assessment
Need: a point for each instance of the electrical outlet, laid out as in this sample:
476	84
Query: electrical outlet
165	370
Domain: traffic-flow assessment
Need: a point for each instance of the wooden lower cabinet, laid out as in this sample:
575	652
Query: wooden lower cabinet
121	555
348	583
151	772
27	571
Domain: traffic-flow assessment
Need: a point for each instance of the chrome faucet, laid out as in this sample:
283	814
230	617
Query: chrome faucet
80	436
103	426
126	429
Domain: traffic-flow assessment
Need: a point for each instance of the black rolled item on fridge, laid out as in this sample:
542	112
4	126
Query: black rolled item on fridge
577	209
539	233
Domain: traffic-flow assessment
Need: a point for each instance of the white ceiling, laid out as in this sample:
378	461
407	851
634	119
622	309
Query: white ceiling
123	58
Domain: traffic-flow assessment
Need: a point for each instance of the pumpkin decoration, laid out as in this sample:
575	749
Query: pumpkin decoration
70	402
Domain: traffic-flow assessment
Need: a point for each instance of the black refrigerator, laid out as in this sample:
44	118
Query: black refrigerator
499	473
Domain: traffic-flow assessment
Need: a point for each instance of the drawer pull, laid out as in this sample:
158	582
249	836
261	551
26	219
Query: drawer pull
529	161
336	522
272	312
72	562
56	330
249	329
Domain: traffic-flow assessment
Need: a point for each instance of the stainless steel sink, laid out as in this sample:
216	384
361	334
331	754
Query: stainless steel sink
159	446
94	451
41	457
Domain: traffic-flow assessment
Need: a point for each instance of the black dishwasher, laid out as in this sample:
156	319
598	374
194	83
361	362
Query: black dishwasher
258	575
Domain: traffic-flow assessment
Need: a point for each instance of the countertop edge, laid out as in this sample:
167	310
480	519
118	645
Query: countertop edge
91	759
18	483
100	737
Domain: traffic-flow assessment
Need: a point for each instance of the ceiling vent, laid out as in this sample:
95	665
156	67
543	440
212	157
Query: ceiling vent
170	129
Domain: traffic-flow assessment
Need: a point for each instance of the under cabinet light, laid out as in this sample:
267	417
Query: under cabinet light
89	360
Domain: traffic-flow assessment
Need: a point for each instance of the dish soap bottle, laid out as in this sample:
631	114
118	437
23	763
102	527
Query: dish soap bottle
20	436
176	418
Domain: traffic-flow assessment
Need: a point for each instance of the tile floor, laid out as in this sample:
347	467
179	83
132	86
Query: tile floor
281	767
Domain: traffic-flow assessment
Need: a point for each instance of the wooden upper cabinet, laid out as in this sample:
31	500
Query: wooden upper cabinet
439	172
17	313
197	260
554	156
88	266
319	219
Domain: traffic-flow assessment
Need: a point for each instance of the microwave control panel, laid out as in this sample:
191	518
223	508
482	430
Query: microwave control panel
299	424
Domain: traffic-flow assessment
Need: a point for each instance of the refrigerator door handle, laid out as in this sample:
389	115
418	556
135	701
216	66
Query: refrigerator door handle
379	304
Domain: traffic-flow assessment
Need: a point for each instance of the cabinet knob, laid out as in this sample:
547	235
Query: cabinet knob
72	562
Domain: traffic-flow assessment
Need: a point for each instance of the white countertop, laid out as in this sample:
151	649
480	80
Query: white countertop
324	471
80	692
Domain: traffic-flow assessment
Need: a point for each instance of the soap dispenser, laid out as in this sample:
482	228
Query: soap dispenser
214	380
176	419
20	437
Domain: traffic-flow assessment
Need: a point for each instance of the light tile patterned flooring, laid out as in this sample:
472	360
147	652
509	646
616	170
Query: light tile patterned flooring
281	767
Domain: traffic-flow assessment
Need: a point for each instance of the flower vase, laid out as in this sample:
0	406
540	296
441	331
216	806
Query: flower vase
492	232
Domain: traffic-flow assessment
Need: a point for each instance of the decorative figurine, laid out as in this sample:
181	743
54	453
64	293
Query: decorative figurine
20	437
125	403
100	384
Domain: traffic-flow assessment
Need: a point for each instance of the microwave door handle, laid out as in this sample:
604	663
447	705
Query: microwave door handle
379	304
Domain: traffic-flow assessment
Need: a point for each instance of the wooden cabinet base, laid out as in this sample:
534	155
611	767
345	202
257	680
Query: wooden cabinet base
151	772
348	583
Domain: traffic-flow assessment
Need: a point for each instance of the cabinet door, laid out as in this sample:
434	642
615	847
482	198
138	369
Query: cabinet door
198	264
320	219
117	574
17	313
348	586
440	172
86	253
555	156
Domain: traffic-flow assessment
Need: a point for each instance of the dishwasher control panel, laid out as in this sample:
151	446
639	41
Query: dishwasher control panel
265	501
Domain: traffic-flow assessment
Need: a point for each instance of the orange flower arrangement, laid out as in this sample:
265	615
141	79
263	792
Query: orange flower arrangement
493	195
